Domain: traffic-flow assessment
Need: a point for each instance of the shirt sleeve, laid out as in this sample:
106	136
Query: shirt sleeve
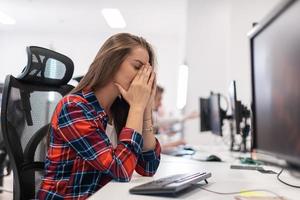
148	161
84	132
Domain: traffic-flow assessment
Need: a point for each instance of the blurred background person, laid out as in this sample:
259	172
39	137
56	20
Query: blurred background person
169	135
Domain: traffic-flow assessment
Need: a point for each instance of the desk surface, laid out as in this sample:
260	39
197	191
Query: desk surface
223	179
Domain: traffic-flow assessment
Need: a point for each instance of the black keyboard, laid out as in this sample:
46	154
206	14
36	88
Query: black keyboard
171	184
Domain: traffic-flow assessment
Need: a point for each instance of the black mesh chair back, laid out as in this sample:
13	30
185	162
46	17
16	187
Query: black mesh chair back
3	154
28	102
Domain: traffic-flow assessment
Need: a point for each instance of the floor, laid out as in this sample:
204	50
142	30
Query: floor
7	185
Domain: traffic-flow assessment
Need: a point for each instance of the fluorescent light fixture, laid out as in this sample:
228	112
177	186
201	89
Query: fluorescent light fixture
183	74
113	18
5	19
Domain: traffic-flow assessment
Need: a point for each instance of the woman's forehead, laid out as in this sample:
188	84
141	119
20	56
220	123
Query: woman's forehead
139	55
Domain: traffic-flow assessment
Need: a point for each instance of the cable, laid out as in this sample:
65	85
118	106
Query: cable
245	191
278	178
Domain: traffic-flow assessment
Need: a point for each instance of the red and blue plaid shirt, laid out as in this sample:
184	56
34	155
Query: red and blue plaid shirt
81	159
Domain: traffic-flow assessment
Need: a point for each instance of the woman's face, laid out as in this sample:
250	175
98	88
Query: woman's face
130	66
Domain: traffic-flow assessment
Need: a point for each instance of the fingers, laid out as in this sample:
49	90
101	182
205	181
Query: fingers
152	79
154	86
146	73
139	74
142	74
121	89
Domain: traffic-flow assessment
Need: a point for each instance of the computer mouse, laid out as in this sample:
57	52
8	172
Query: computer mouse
188	148
213	158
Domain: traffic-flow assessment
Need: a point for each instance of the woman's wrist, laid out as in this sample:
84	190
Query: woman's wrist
148	129
138	109
148	124
148	113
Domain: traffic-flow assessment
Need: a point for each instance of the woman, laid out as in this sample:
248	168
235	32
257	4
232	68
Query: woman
103	130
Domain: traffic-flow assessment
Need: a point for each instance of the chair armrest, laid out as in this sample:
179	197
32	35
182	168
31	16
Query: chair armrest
37	166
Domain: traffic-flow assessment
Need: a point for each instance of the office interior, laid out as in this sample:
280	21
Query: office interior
201	47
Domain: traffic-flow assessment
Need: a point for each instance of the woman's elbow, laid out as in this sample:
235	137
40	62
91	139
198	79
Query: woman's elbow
123	176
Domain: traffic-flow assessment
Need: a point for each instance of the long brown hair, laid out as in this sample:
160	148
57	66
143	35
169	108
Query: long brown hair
105	65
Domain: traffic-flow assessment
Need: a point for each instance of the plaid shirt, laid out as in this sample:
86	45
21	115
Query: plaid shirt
81	159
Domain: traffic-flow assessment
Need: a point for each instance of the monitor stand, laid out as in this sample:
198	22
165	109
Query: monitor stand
245	133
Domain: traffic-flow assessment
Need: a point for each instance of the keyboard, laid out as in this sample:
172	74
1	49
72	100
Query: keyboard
180	151
171	184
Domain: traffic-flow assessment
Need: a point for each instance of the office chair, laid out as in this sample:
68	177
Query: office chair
27	105
3	155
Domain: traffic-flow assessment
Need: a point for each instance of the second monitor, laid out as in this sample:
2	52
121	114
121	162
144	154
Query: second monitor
211	114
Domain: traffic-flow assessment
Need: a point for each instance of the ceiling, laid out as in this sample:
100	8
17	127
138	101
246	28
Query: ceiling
78	16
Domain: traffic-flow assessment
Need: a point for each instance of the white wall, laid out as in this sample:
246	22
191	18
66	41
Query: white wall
78	30
218	50
210	36
82	49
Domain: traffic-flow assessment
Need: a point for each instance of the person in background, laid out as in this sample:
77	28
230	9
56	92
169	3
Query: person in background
103	130
164	125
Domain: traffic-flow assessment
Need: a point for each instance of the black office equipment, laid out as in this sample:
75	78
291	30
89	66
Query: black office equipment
216	114
275	69
3	155
211	114
27	105
235	108
171	184
213	158
240	113
204	114
246	167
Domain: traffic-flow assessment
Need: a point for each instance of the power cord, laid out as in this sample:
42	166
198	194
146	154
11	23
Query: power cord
288	184
240	192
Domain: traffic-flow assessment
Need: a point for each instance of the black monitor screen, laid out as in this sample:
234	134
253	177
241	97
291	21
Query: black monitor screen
204	115
275	55
215	114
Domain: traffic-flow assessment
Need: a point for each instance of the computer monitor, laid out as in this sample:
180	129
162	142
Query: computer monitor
1	91
235	108
215	114
211	114
275	69
204	115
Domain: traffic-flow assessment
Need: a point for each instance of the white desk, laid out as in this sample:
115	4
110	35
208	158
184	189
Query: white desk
223	179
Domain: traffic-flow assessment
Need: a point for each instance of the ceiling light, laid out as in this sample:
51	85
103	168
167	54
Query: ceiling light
113	18
5	19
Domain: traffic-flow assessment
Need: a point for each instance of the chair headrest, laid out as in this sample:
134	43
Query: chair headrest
46	67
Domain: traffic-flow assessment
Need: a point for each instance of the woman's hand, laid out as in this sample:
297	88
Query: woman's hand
150	104
140	89
191	115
